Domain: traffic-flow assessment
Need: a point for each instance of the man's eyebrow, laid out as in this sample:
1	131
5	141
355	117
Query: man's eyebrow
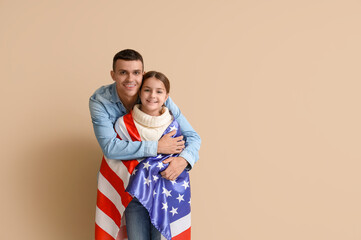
136	70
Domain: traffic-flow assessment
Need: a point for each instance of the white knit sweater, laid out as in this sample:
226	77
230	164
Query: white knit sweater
150	127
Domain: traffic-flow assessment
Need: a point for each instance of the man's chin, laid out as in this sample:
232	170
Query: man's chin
130	92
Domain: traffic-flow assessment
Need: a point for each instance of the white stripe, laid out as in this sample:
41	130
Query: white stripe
109	191
121	129
180	225
120	169
106	223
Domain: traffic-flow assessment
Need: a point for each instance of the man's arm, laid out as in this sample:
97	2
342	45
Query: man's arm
115	148
112	147
193	141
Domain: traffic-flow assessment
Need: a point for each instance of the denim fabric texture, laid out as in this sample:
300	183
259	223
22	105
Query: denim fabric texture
139	226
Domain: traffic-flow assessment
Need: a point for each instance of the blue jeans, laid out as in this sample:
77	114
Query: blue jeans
139	226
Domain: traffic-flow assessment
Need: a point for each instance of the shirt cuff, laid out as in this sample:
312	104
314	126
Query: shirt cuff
188	157
150	148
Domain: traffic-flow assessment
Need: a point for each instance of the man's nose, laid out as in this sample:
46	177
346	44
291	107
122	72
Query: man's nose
131	77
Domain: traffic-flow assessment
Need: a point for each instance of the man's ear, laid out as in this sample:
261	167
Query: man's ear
112	74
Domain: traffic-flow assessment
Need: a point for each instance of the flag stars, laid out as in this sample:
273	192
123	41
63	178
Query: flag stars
166	192
165	206
159	156
173	128
146	165
180	198
134	171
185	184
174	211
160	165
173	182
155	178
147	181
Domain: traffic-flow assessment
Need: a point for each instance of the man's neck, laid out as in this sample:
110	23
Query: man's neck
127	101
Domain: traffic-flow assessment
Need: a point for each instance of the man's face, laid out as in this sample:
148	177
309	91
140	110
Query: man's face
128	77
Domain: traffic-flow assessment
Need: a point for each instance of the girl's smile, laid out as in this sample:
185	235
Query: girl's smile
153	95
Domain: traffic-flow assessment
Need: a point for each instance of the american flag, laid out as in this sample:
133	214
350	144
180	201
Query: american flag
168	202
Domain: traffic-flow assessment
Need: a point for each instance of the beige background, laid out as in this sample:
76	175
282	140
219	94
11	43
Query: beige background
272	87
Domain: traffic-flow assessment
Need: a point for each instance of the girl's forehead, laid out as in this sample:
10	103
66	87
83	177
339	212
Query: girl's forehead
152	81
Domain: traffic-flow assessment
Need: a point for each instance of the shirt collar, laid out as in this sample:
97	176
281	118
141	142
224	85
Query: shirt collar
114	94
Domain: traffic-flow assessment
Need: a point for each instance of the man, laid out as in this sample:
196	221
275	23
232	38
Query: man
110	102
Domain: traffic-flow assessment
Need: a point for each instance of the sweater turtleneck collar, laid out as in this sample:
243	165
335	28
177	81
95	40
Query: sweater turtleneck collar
151	121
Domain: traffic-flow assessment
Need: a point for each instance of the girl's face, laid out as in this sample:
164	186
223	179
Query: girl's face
153	95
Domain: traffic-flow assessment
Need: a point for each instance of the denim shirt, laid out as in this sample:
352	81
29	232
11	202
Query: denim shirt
106	107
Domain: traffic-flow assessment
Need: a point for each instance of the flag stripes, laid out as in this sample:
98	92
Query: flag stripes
108	207
106	223
116	182
180	225
101	234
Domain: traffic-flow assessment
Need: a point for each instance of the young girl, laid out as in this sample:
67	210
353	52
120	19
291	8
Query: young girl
155	208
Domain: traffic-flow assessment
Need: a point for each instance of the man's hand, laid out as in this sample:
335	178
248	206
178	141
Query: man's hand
169	145
175	167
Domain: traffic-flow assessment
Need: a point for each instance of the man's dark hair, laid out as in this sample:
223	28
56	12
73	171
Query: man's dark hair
128	55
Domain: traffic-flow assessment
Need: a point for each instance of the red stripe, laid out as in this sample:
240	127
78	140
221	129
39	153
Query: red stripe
186	235
100	234
132	129
108	208
115	130
130	165
134	135
116	182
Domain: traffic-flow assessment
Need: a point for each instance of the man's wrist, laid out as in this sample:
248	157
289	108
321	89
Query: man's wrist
151	148
187	165
186	156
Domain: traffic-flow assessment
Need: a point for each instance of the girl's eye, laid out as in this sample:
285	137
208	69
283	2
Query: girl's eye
160	92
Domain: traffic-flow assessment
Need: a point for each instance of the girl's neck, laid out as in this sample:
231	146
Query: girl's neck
151	113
